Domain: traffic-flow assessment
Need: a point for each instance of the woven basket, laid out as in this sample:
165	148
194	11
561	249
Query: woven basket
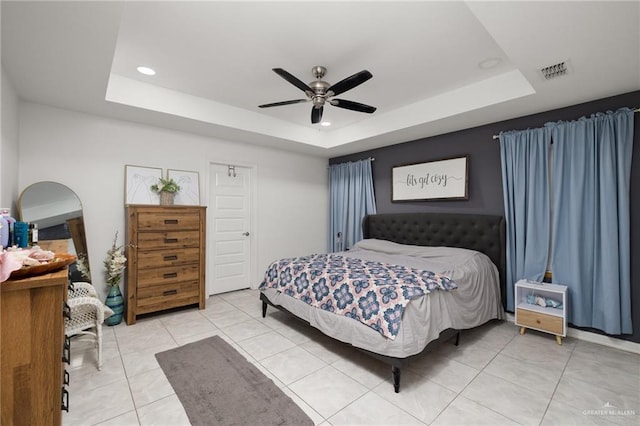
166	198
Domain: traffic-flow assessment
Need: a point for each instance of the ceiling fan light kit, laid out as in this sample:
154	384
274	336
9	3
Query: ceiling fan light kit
319	92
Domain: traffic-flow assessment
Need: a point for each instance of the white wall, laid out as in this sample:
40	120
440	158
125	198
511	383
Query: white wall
9	145
88	154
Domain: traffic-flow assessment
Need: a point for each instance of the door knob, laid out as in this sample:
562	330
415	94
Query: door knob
246	234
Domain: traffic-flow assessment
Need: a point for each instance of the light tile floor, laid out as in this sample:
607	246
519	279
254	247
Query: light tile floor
494	377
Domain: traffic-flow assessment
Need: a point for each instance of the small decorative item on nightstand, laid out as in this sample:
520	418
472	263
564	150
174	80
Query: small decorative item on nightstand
542	307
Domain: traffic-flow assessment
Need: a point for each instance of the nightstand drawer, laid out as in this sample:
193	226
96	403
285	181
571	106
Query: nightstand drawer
540	321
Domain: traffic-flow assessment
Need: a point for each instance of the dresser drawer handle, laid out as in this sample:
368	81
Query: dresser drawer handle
66	350
170	275
66	377
65	400
169	292
171	221
170	240
171	257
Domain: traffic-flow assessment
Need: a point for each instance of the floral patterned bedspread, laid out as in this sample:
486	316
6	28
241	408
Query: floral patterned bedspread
373	293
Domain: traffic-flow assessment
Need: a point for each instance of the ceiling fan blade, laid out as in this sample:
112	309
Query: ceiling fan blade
316	115
349	82
354	106
296	101
293	80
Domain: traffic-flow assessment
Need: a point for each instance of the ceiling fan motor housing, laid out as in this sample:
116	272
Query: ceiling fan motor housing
319	88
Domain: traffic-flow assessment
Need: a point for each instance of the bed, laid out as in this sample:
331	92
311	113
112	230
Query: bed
465	251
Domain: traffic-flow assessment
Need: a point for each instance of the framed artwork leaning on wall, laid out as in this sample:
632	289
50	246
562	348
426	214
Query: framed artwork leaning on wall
137	184
189	182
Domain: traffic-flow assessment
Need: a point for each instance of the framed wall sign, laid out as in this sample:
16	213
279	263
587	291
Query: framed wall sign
189	182
445	179
137	184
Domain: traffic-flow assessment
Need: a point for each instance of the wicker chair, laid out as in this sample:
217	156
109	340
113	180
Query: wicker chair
87	315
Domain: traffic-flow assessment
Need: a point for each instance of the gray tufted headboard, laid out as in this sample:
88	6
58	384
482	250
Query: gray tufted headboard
483	233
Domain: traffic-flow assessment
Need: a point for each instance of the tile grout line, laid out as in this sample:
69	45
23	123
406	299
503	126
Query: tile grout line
555	388
474	378
133	401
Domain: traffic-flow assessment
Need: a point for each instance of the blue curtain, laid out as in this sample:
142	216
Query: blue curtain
525	180
351	198
590	243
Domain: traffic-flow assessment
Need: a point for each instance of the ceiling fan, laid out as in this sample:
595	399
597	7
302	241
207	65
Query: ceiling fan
320	92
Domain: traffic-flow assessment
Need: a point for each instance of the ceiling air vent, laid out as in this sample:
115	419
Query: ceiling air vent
555	71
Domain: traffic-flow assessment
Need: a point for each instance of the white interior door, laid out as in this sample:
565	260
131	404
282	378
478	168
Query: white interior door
229	224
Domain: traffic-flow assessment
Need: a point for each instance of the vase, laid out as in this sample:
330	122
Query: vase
166	198
116	303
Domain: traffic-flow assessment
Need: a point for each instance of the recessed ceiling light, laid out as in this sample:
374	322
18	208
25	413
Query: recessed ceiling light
146	70
489	63
325	123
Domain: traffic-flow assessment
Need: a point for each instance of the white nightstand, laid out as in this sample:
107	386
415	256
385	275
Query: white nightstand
542	318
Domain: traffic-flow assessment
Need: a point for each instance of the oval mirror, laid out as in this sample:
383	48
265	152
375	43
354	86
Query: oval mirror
57	211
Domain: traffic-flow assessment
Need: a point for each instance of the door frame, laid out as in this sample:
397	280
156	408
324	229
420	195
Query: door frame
253	220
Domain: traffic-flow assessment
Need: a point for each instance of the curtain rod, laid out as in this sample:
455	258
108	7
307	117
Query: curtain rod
494	137
353	161
370	158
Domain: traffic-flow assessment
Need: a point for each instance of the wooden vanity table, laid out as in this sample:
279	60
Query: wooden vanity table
31	341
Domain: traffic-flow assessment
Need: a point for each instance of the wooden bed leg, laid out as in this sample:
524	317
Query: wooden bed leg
457	338
264	309
396	378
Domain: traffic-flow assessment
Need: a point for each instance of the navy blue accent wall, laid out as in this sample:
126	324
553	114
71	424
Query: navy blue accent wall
485	175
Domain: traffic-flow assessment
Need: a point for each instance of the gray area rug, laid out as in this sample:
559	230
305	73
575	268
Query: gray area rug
218	386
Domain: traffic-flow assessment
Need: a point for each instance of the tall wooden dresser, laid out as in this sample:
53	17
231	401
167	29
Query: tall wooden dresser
165	258
32	336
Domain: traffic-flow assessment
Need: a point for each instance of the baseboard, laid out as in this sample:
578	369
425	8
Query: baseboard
587	336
